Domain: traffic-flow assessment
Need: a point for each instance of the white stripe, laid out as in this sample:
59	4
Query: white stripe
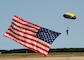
25	22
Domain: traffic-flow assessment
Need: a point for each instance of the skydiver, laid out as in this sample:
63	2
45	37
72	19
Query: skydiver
67	31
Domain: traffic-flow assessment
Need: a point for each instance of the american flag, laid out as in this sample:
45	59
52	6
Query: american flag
32	36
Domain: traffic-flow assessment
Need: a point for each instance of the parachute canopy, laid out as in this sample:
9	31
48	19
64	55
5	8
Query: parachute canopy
69	15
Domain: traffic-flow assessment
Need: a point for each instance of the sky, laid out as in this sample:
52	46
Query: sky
48	14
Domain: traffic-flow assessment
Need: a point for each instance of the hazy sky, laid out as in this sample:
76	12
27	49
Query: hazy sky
48	14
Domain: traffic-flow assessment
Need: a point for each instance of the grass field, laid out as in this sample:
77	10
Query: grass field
56	54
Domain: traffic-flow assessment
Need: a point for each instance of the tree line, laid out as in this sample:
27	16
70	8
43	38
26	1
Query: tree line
51	50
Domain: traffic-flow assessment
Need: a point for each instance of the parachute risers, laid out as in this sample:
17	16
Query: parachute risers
69	15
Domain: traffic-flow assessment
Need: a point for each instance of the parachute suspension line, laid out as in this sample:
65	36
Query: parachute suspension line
68	25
